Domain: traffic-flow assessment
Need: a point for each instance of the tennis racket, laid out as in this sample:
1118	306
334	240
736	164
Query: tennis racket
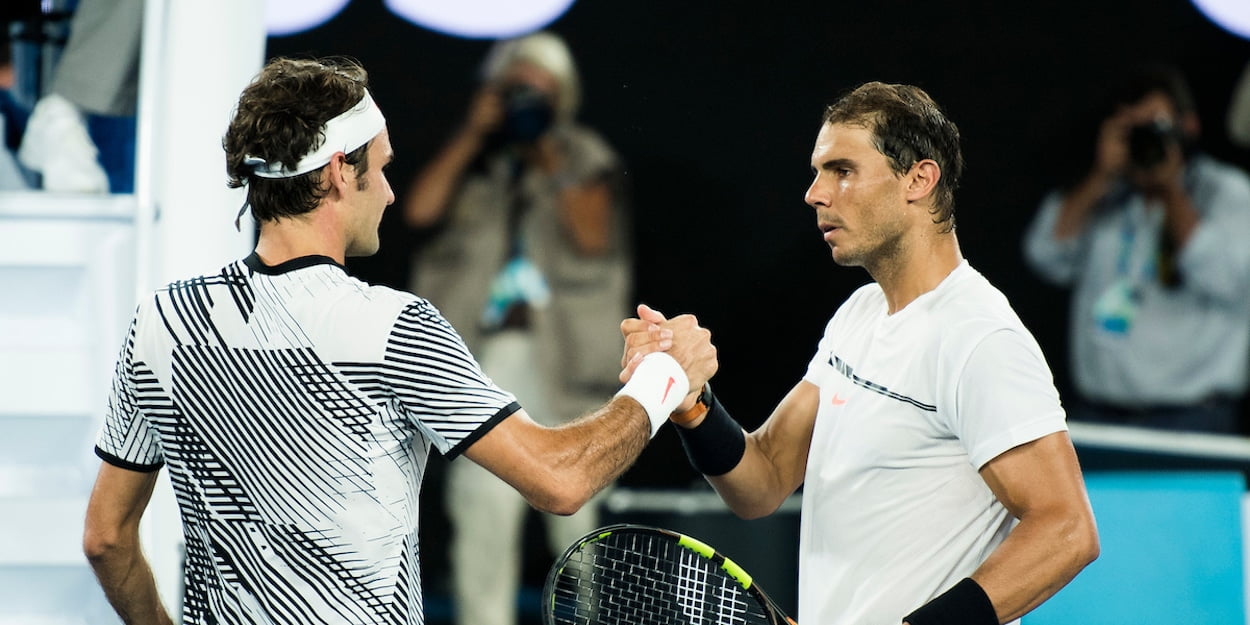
637	575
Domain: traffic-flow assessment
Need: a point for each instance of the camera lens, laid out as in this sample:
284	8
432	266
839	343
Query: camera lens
527	114
1148	143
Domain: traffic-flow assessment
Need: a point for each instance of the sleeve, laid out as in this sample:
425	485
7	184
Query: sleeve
438	384
126	439
1215	260
1053	259
1005	397
818	366
590	156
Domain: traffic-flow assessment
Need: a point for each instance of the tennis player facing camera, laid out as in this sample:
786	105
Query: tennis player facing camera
939	482
296	406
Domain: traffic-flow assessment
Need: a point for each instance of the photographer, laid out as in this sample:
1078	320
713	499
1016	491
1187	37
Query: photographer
531	263
1152	240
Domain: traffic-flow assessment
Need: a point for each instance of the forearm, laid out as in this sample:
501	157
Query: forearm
431	193
753	489
599	447
1077	205
1180	216
559	469
586	214
1040	556
127	580
773	459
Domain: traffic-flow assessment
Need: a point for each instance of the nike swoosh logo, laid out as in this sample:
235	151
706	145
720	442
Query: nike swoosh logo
671	382
838	401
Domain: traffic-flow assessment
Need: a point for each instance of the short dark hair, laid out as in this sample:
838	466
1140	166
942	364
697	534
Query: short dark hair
1150	79
280	118
907	126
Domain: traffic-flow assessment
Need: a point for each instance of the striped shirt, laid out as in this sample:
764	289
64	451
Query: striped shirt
295	407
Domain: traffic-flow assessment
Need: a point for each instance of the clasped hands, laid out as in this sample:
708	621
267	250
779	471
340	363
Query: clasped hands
681	337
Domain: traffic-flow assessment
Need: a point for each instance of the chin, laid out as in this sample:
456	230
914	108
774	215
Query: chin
356	251
844	258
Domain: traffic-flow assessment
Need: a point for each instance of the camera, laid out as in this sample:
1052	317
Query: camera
1148	143
527	114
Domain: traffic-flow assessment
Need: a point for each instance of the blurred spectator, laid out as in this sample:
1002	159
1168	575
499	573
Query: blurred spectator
1152	241
11	118
532	265
97	74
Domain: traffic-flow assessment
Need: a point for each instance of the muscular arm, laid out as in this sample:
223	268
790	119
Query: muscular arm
1040	484
111	543
558	469
775	459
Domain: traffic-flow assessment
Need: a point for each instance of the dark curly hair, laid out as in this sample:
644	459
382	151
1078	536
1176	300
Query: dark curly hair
907	126
279	118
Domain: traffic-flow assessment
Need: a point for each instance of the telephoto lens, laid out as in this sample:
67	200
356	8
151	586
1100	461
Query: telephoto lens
1148	143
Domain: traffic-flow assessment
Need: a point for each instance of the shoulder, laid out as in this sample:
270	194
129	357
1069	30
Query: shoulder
586	145
1210	173
973	309
1206	165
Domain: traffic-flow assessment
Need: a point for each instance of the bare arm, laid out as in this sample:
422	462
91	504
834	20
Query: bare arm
586	214
1040	484
430	194
111	543
1110	161
1166	183
775	461
559	469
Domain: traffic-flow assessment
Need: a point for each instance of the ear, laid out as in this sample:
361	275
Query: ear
339	174
922	180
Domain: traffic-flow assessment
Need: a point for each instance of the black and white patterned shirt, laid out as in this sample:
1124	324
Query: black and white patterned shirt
295	407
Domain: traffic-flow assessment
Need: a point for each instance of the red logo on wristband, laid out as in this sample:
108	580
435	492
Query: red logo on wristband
668	388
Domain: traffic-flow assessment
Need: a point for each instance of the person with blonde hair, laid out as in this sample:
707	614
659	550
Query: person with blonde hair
532	264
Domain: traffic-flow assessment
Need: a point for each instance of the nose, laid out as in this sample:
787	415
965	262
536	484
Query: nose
390	193
816	196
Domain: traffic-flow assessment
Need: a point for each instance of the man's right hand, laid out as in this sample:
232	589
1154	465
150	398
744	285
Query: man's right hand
683	339
1111	152
485	112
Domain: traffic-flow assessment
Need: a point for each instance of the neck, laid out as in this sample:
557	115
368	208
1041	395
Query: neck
917	268
313	233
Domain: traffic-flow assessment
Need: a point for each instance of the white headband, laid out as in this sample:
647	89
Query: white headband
346	132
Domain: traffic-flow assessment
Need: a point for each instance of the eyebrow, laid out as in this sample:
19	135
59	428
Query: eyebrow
836	163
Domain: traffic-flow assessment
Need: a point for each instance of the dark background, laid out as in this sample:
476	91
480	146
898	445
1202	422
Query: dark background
714	107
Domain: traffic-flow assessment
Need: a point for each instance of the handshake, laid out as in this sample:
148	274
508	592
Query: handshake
666	364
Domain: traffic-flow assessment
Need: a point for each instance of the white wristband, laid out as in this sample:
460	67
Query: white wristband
659	384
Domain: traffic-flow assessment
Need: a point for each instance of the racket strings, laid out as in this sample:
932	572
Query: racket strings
633	579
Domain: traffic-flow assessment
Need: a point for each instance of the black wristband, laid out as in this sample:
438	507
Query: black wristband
717	445
964	604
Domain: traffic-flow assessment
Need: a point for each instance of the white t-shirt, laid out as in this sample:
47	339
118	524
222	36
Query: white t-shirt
912	405
295	408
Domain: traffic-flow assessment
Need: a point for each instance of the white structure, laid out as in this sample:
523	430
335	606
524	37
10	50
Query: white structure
71	268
